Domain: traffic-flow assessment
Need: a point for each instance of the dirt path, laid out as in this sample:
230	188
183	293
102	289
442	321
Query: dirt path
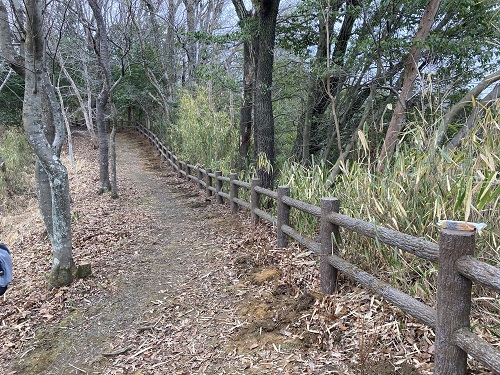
181	286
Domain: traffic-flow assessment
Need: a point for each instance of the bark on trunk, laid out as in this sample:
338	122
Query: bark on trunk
249	66
264	120
246	121
44	197
102	100
102	137
190	45
15	59
40	106
112	153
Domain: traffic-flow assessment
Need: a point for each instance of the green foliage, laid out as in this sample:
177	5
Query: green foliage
203	134
297	31
210	38
16	176
465	39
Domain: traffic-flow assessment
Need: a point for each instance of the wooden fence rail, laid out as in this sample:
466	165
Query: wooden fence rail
457	266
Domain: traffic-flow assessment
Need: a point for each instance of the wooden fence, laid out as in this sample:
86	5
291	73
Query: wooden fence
457	266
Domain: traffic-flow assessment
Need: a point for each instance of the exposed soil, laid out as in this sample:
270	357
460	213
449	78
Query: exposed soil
181	286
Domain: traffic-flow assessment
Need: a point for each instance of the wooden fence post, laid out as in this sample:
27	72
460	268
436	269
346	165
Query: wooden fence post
218	187
199	176
179	168
188	171
233	192
453	301
283	216
328	273
254	200
208	183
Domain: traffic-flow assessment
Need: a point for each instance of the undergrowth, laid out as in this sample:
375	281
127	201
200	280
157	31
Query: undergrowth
16	170
418	189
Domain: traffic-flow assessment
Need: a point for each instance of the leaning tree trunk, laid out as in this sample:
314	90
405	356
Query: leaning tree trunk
310	138
263	106
409	75
487	102
38	103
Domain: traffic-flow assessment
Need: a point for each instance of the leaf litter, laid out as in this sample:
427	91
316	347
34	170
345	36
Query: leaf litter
181	286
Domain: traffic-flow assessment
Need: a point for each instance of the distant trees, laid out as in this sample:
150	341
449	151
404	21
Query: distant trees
338	67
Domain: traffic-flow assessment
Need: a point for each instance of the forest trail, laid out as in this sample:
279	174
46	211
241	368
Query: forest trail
170	302
180	286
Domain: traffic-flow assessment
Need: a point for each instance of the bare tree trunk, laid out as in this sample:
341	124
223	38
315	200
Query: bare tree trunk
329	81
170	69
102	137
39	99
306	130
44	197
16	60
246	121
67	125
103	55
409	75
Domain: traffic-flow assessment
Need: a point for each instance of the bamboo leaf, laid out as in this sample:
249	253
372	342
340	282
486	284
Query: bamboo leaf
468	204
